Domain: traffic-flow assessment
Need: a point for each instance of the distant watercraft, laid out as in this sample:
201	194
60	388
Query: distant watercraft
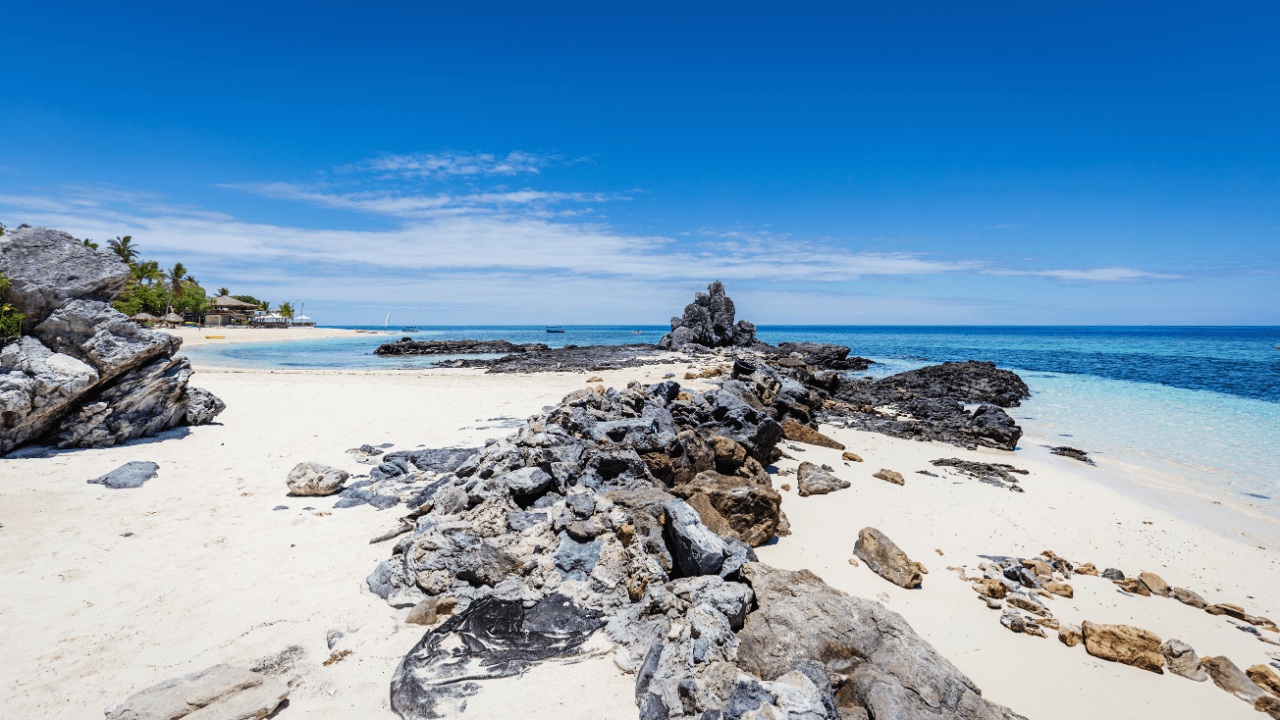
387	322
637	332
556	329
410	329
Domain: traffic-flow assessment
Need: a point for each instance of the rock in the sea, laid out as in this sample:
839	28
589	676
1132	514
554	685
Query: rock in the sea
221	692
1124	644
813	480
314	478
127	476
85	376
1182	660
1155	584
1227	676
890	670
1188	597
792	430
886	559
890	476
709	321
490	639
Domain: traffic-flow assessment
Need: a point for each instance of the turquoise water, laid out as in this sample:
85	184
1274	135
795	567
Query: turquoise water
1162	406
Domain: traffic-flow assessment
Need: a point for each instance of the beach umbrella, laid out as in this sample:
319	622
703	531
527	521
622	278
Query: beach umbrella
172	317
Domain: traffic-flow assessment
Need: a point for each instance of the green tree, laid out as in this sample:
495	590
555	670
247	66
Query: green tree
10	318
175	277
124	247
1	228
224	292
90	244
148	272
285	309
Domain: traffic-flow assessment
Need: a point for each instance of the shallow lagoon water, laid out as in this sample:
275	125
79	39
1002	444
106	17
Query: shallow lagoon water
1193	410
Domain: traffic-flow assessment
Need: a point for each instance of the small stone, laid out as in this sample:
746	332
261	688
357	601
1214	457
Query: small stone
314	478
1087	569
992	603
793	430
886	559
1182	660
280	507
786	486
853	562
991	587
1027	604
1112	574
1135	586
813	480
890	476
594	379
129	476
851	457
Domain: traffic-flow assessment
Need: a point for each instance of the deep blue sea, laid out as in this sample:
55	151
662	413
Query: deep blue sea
1189	413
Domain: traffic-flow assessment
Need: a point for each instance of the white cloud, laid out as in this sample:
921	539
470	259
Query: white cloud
1087	275
442	165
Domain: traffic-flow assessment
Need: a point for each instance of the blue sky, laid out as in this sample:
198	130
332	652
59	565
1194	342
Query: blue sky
847	164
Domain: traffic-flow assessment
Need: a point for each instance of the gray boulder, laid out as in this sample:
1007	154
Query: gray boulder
37	386
47	267
695	549
889	669
221	692
1182	660
1231	678
526	481
142	402
709	321
202	406
129	475
100	335
813	480
313	478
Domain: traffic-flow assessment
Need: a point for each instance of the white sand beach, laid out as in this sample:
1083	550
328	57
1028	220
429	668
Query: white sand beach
110	591
193	337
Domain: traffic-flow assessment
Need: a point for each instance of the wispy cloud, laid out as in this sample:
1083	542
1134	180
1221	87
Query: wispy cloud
447	164
1090	275
403	205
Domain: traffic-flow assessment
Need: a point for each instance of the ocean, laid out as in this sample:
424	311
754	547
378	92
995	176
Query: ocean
1186	417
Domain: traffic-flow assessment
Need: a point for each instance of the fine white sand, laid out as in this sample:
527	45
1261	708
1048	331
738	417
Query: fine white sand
193	337
212	574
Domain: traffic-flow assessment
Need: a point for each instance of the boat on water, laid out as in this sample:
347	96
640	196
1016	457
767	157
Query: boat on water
637	332
410	329
556	329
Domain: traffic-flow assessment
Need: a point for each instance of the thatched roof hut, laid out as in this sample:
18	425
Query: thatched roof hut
226	302
172	317
144	317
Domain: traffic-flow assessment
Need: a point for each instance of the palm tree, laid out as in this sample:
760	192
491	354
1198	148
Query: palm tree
285	309
124	247
148	271
90	244
224	292
264	306
174	277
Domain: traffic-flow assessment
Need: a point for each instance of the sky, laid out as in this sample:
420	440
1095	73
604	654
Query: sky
488	163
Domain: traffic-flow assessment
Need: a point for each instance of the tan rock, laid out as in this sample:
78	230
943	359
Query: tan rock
1124	644
1155	584
890	476
990	587
1269	705
221	692
598	379
886	559
1027	604
711	517
792	430
743	509
1227	609
1087	569
1060	588
1039	568
1069	635
684	396
851	457
1133	585
626	535
1265	678
1187	597
1231	678
429	611
729	454
853	562
785	486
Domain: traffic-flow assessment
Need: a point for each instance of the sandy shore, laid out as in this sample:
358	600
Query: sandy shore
109	591
194	337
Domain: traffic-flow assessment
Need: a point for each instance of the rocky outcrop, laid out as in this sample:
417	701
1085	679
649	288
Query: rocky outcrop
1124	644
886	559
999	474
570	358
85	376
751	510
409	346
313	478
708	321
221	691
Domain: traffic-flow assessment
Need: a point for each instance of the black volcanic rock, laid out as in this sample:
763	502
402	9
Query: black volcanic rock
708	321
455	347
970	381
571	358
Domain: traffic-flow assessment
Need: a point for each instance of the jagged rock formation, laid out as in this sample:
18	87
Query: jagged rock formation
409	346
85	376
577	521
708	321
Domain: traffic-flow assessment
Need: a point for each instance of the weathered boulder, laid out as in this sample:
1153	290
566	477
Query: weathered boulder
695	549
100	335
1155	584
314	478
813	480
1227	676
221	692
886	559
1060	588
129	475
526	481
202	406
851	457
751	510
47	267
889	669
1069	634
1135	586
1188	597
437	460
37	387
890	476
792	430
1182	660
1265	678
144	401
709	321
1124	644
